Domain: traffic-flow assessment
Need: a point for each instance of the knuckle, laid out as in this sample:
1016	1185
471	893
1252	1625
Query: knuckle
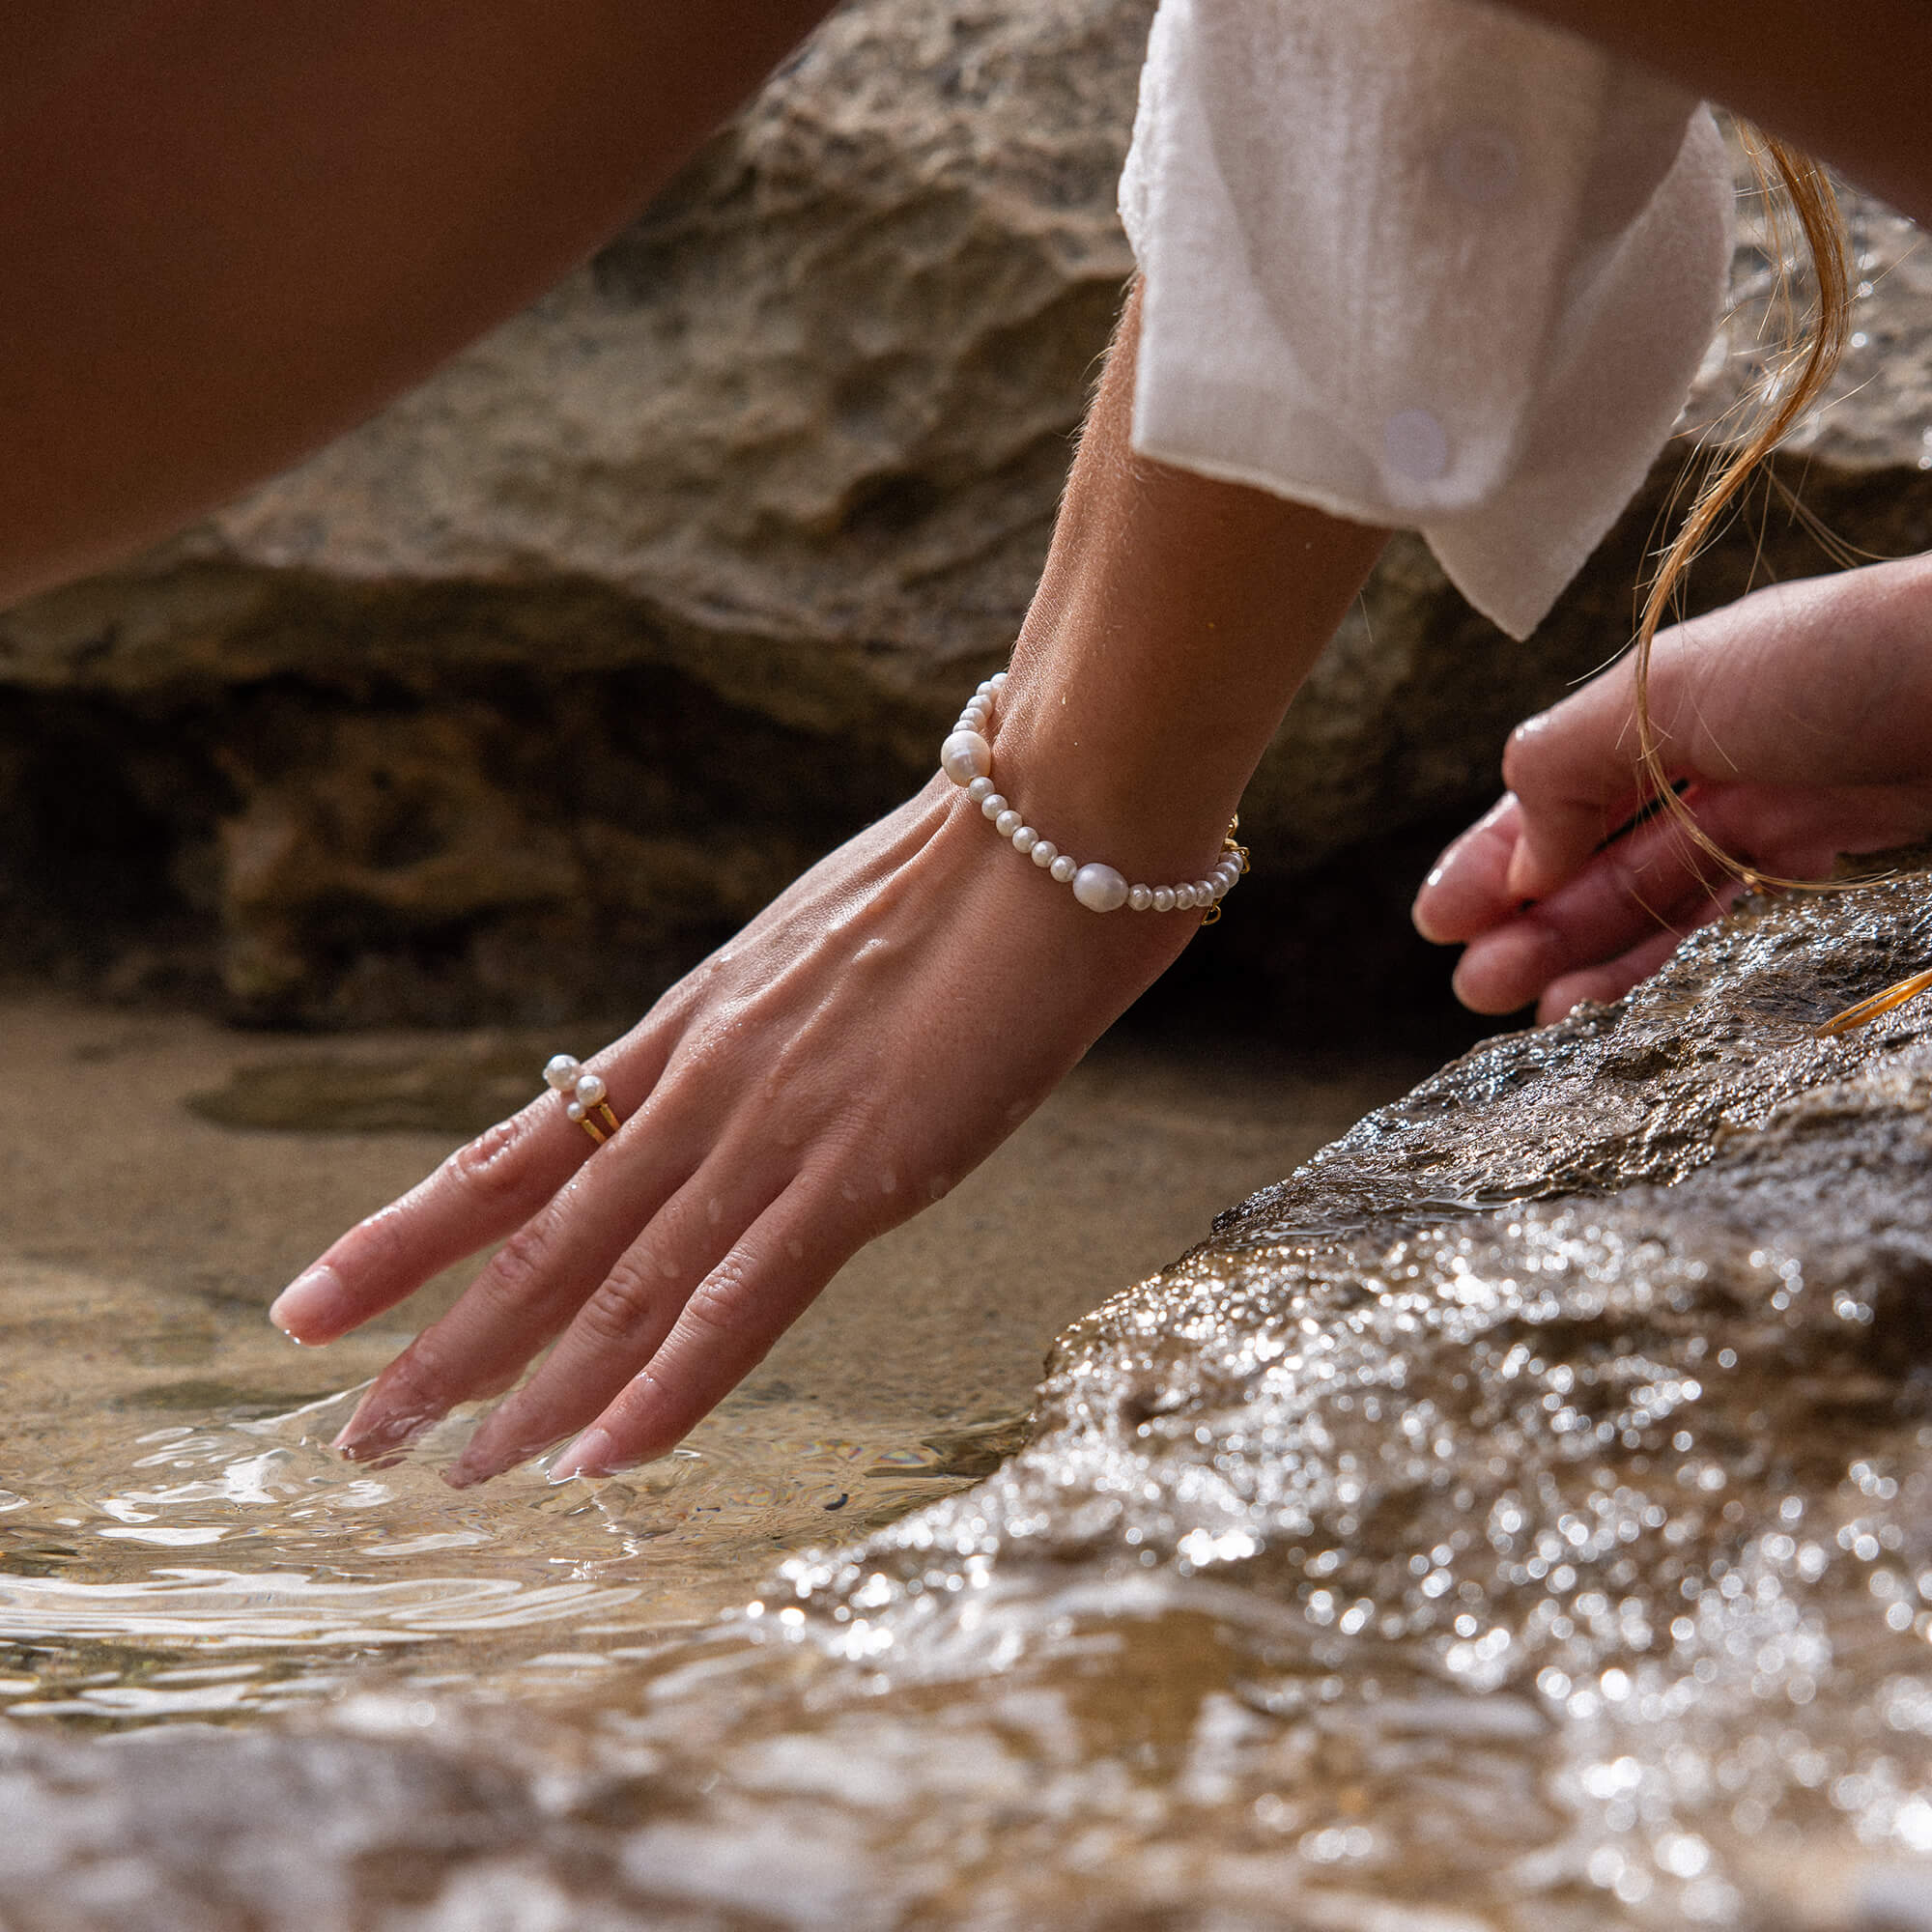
715	1311
518	1269
418	1383
491	1167
623	1306
378	1245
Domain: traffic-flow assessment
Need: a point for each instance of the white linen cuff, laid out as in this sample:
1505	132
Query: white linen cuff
1421	264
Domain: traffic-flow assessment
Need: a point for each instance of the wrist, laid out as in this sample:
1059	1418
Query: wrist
1096	883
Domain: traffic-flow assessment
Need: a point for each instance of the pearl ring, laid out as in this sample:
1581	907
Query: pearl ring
589	1105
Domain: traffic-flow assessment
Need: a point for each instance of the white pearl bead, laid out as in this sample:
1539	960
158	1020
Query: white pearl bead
1140	898
984	687
992	805
1100	888
1044	852
575	1110
1204	892
997	682
1163	898
590	1088
1062	868
1007	823
1025	838
1183	897
561	1071
965	756
979	790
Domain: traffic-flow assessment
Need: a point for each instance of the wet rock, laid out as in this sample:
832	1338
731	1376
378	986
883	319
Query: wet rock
1568	1424
703	478
1518	1518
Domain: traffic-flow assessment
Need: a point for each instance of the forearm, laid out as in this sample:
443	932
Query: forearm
232	231
1847	85
1177	617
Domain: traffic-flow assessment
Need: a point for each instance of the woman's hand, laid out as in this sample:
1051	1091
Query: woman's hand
883	1025
862	1046
1798	723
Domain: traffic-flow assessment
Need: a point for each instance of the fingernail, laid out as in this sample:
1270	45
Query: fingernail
590	1455
351	1432
314	1303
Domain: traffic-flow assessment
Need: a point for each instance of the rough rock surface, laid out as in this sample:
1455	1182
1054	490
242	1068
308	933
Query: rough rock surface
1518	1518
512	701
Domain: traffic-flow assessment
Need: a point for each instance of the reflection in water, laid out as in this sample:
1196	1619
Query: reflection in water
317	1565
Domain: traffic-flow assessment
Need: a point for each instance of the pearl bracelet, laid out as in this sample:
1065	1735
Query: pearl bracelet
966	758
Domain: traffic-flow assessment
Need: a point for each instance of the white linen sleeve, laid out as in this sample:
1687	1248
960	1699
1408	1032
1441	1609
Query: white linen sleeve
1424	263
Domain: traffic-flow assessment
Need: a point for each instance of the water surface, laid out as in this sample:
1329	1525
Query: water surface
176	1543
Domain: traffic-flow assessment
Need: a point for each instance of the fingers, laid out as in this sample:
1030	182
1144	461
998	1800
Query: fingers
1653	879
570	1256
1825	682
1601	923
481	1193
689	1243
726	1328
1467	890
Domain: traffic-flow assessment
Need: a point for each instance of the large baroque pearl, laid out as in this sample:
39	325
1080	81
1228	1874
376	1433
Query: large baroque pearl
1100	888
965	756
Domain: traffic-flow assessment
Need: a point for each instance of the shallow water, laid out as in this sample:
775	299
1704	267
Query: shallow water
1520	1517
176	1541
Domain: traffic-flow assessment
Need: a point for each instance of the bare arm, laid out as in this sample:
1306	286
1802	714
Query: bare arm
231	231
1846	83
881	1027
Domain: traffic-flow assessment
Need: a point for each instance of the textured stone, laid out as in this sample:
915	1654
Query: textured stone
791	447
1568	1422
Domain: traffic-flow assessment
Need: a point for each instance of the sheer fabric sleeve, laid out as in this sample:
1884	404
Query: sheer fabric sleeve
1423	263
